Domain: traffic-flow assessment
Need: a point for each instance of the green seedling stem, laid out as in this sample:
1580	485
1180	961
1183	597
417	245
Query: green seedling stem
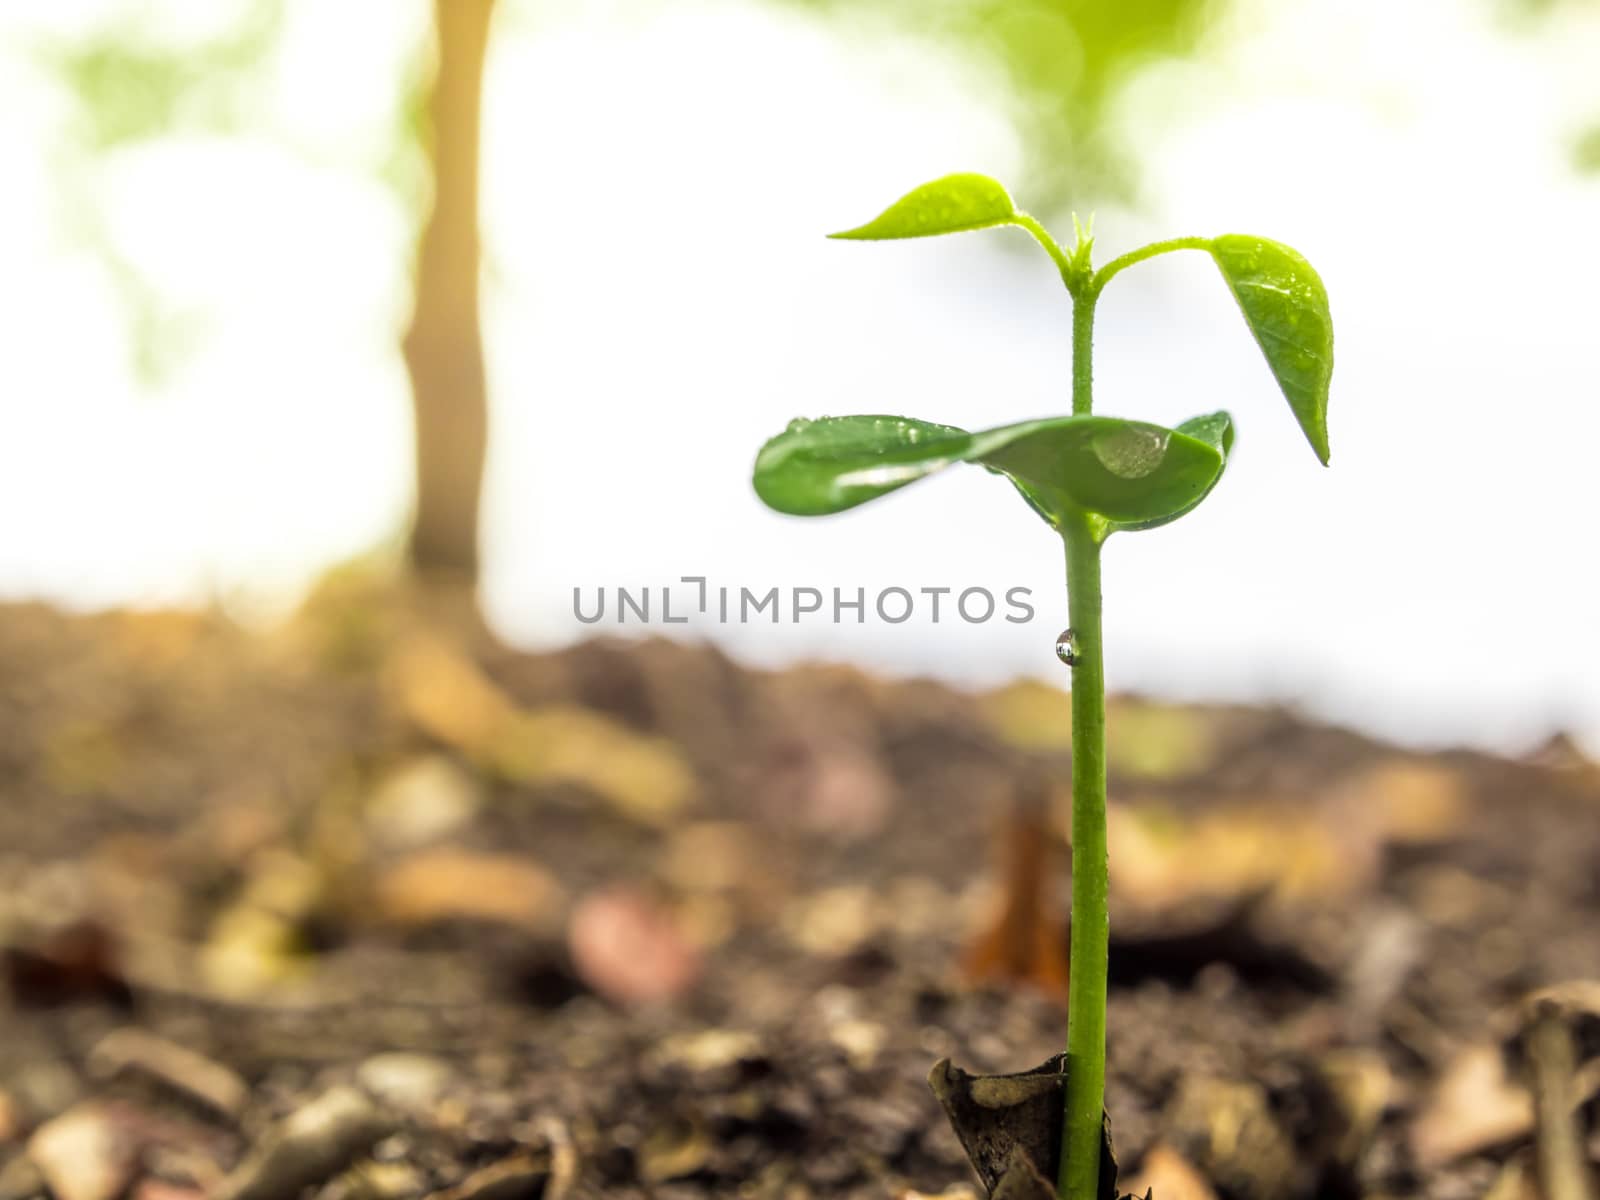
1088	477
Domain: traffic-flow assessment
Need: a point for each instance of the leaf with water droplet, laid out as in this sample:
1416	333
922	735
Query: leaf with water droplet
953	204
1130	451
1125	472
1215	430
1286	307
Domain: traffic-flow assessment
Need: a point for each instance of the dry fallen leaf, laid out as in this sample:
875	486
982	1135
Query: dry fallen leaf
1474	1106
134	1051
644	778
10	1119
85	1154
1026	940
446	695
1170	1176
432	887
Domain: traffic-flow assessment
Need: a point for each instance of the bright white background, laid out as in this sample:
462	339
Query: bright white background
660	300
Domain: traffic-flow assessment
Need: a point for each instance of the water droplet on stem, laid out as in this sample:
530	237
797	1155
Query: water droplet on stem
1067	647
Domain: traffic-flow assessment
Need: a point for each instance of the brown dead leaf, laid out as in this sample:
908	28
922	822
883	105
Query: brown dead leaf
644	778
85	1154
133	1051
1170	1176
1474	1106
432	887
446	695
1026	941
10	1119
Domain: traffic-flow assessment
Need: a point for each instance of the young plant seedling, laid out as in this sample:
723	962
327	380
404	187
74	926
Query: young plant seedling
1088	477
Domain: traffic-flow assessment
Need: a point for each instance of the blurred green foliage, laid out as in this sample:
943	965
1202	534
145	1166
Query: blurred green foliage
129	87
126	87
1586	150
1066	60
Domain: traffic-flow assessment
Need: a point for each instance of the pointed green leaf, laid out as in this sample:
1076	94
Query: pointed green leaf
1286	307
953	204
1125	471
1215	430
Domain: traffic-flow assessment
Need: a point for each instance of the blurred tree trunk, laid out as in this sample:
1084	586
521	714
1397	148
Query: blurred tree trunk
444	345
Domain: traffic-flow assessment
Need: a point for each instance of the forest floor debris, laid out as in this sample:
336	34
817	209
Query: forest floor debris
373	908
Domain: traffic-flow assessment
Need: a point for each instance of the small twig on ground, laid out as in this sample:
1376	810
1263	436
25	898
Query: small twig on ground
1552	1062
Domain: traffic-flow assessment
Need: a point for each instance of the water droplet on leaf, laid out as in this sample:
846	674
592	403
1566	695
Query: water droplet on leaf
1130	451
1067	647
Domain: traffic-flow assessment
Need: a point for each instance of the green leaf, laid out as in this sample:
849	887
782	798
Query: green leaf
954	204
1215	430
1126	472
826	466
1286	307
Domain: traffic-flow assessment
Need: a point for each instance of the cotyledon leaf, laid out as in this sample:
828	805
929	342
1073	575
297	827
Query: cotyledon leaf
1128	472
1214	429
828	465
953	204
1286	307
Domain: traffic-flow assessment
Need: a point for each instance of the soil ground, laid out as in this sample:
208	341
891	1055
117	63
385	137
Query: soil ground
374	907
